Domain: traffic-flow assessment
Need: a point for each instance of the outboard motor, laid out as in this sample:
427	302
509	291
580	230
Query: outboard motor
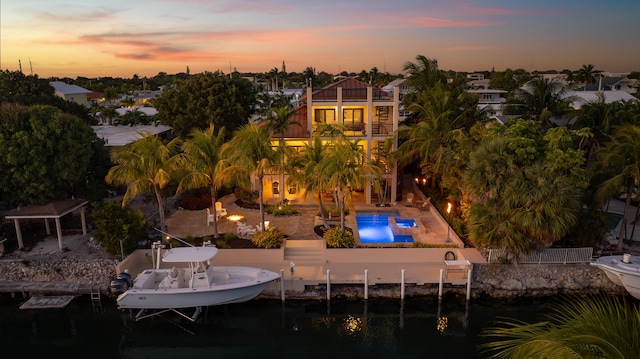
121	284
127	277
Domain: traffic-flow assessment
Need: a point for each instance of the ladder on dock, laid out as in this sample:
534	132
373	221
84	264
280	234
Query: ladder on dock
96	298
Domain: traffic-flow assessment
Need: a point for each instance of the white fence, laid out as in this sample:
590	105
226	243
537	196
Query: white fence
548	256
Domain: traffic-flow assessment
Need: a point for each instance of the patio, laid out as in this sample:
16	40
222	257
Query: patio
184	223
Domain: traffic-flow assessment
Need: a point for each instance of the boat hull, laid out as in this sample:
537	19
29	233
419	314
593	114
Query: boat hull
626	274
145	295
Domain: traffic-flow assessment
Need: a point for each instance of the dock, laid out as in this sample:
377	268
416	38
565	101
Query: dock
47	302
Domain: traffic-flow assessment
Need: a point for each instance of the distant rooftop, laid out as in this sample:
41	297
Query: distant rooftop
67	89
123	135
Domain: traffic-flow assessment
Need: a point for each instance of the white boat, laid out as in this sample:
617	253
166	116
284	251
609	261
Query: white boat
623	270
194	285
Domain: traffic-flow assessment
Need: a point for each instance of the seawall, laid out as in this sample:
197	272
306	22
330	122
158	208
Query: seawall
488	280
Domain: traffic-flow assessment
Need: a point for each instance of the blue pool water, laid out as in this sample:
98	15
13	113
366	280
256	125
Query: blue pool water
405	223
373	227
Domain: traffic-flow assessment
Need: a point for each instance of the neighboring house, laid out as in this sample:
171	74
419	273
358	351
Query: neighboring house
583	97
617	83
115	136
490	101
142	99
72	93
365	112
147	111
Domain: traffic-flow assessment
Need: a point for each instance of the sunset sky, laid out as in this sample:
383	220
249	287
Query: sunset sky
121	38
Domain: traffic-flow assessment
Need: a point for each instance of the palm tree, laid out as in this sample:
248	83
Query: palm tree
201	158
423	73
541	99
430	140
523	203
347	169
620	160
307	172
601	118
279	123
587	75
250	152
143	166
590	327
384	160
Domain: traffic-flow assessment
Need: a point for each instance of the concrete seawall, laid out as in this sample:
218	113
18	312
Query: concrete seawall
488	280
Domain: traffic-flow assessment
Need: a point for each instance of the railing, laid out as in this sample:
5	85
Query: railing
548	256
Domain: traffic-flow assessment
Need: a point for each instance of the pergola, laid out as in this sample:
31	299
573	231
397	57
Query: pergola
55	210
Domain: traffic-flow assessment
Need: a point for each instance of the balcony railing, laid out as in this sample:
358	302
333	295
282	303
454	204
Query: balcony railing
548	256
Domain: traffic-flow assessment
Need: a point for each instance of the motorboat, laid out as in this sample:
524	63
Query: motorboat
623	270
183	277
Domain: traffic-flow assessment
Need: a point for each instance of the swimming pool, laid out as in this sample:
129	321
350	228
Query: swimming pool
374	228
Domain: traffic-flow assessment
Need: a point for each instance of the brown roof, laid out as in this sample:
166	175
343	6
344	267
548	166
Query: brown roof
54	209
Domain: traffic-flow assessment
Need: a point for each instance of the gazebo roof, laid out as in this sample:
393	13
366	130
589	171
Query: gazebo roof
54	209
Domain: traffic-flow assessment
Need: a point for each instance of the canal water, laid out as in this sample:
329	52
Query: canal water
390	328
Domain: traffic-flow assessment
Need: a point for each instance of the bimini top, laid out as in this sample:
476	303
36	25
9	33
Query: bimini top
189	254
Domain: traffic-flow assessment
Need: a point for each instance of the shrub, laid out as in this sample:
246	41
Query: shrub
196	199
334	211
247	197
281	210
337	237
272	237
115	223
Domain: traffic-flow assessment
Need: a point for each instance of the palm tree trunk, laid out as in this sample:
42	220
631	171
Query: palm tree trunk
324	217
261	199
156	189
215	213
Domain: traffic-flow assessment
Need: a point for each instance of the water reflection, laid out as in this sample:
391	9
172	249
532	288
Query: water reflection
413	328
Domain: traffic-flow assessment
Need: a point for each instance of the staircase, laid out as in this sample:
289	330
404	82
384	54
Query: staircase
303	252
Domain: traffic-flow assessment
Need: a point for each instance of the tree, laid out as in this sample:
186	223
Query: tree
144	166
423	73
116	225
250	153
205	98
205	167
347	169
587	75
525	188
540	99
307	174
45	154
619	160
279	122
430	141
590	327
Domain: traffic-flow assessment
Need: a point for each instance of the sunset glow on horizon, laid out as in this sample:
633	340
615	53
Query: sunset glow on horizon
121	38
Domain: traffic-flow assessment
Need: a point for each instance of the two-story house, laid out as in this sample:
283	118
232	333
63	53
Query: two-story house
365	113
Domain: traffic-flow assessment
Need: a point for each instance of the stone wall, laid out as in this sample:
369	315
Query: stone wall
74	270
491	280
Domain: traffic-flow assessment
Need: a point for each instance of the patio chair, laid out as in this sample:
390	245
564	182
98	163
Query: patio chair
410	199
220	212
245	231
424	206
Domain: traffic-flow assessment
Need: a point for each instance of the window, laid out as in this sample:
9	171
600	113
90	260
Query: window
353	119
327	116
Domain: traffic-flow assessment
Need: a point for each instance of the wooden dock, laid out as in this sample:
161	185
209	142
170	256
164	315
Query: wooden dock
47	302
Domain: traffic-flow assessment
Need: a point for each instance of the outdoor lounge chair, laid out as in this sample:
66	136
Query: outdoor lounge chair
220	212
245	231
410	199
